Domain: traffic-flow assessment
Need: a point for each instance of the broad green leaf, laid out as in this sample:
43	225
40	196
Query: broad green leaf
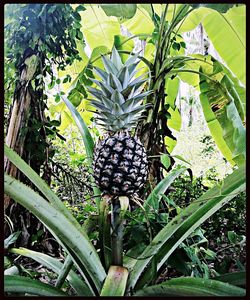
170	143
194	18
195	62
147	7
190	218
189	286
95	57
66	119
78	245
171	89
55	265
218	7
24	285
165	160
223	118
232	31
149	53
235	88
239	135
175	121
223	102
115	282
98	28
141	23
236	278
73	70
56	108
152	202
126	11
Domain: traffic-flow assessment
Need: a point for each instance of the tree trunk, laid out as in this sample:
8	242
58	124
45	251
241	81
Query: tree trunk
19	119
26	106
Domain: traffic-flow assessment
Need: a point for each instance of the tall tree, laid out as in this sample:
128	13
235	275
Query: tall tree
37	37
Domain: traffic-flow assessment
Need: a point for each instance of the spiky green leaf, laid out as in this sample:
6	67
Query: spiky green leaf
55	265
191	217
23	285
109	66
116	59
189	286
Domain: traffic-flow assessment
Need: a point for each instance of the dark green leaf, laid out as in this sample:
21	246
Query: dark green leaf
189	286
236	278
77	16
55	123
223	8
126	11
80	8
23	285
176	46
57	98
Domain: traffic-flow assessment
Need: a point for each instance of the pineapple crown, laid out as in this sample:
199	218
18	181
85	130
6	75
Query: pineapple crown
118	100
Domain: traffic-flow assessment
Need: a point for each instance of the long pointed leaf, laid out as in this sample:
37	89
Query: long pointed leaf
39	183
79	246
155	196
55	265
192	287
116	59
109	66
102	74
24	285
235	278
87	140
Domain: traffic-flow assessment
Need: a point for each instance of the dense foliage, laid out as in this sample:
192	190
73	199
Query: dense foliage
184	232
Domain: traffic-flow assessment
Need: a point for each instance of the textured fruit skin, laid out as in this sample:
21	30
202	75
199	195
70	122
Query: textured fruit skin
120	164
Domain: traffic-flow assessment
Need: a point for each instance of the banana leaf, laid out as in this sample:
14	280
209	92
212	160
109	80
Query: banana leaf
219	102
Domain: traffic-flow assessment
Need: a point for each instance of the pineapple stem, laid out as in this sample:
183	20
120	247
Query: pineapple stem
117	233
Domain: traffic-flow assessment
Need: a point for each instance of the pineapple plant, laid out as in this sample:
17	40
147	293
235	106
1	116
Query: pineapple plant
120	162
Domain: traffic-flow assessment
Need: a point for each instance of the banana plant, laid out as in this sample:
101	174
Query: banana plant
131	278
161	31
